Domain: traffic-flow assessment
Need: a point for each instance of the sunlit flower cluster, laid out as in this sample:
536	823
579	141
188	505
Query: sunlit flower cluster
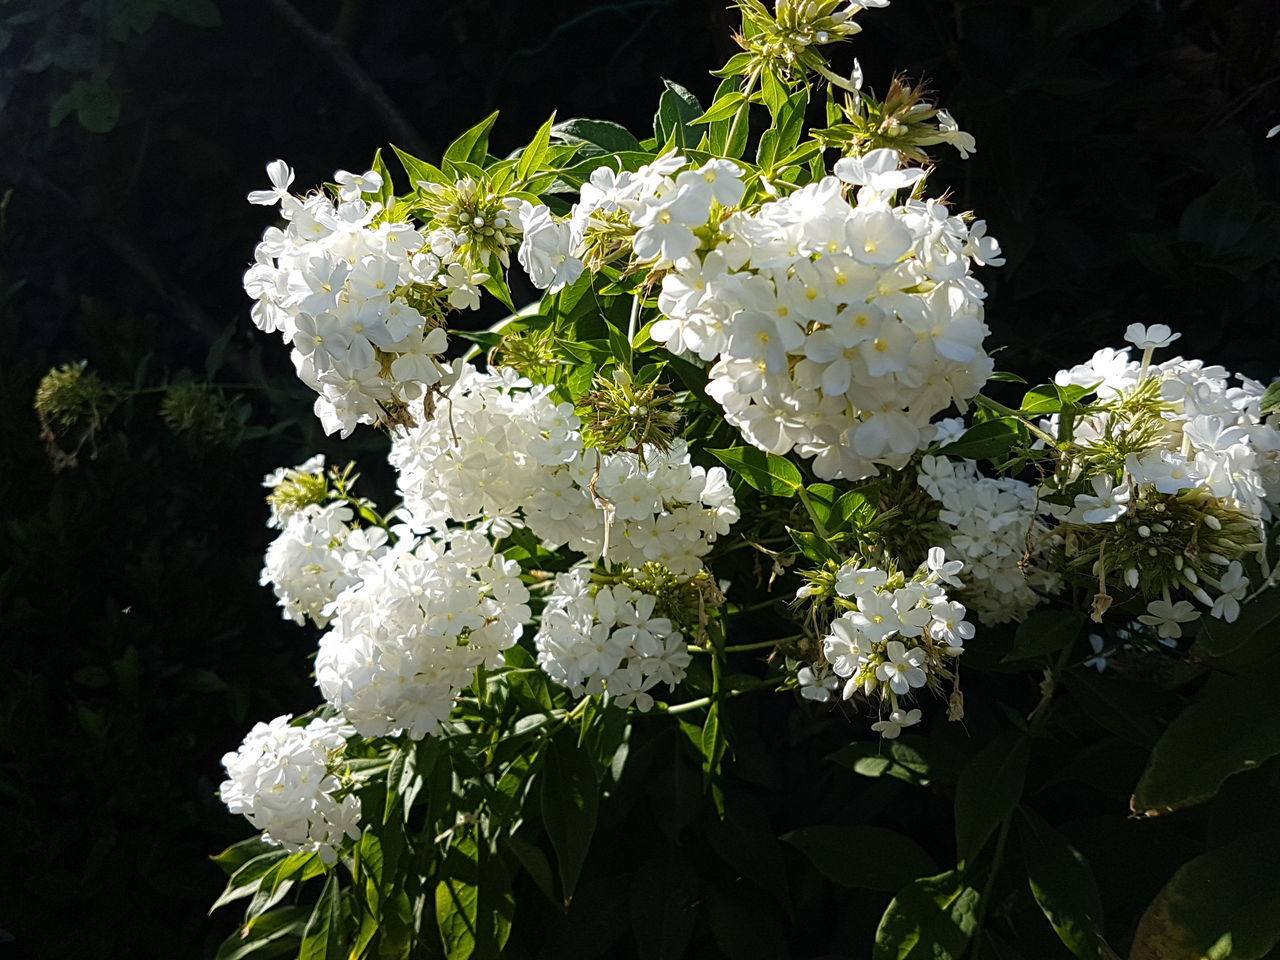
286	781
502	452
837	329
315	558
606	639
410	634
360	296
1174	475
896	635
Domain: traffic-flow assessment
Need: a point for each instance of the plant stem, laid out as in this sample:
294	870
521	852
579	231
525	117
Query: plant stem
707	701
1000	408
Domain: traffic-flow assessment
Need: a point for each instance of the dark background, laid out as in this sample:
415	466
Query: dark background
1121	161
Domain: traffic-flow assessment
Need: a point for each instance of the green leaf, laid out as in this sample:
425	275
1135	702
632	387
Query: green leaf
988	790
532	157
1071	17
664	906
322	937
1224	905
989	440
97	106
813	546
570	799
1052	398
1042	633
930	919
248	875
678	109
855	508
1220	218
605	134
198	13
869	858
472	146
724	107
419	170
1063	885
387	195
474	904
903	759
1231	727
1271	400
273	934
1217	638
766	472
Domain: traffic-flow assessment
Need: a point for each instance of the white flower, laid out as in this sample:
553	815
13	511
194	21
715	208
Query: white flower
1099	659
940	568
949	131
283	779
898	720
1107	506
1169	617
1150	338
281	176
814	687
902	670
352	185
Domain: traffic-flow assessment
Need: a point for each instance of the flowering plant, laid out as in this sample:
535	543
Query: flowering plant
739	444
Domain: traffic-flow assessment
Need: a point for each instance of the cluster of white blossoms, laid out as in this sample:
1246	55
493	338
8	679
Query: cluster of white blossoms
410	634
284	780
315	558
994	523
342	283
502	451
837	329
1214	436
895	636
1191	472
605	639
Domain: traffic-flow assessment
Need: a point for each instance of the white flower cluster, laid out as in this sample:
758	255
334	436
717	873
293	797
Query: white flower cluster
994	523
1214	435
315	558
333	284
1198	491
502	450
606	640
896	634
411	633
838	330
283	780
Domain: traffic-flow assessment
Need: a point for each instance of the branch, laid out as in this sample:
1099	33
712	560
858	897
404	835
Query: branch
116	238
365	86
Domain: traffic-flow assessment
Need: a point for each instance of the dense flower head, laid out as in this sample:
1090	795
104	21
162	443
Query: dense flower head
360	296
993	524
1169	482
896	635
286	781
411	632
315	558
835	329
501	451
609	639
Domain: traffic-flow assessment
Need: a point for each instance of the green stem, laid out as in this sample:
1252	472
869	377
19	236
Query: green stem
707	701
746	647
1000	408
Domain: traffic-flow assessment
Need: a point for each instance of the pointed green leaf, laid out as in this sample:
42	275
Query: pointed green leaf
767	472
988	790
932	918
870	858
570	798
1063	886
